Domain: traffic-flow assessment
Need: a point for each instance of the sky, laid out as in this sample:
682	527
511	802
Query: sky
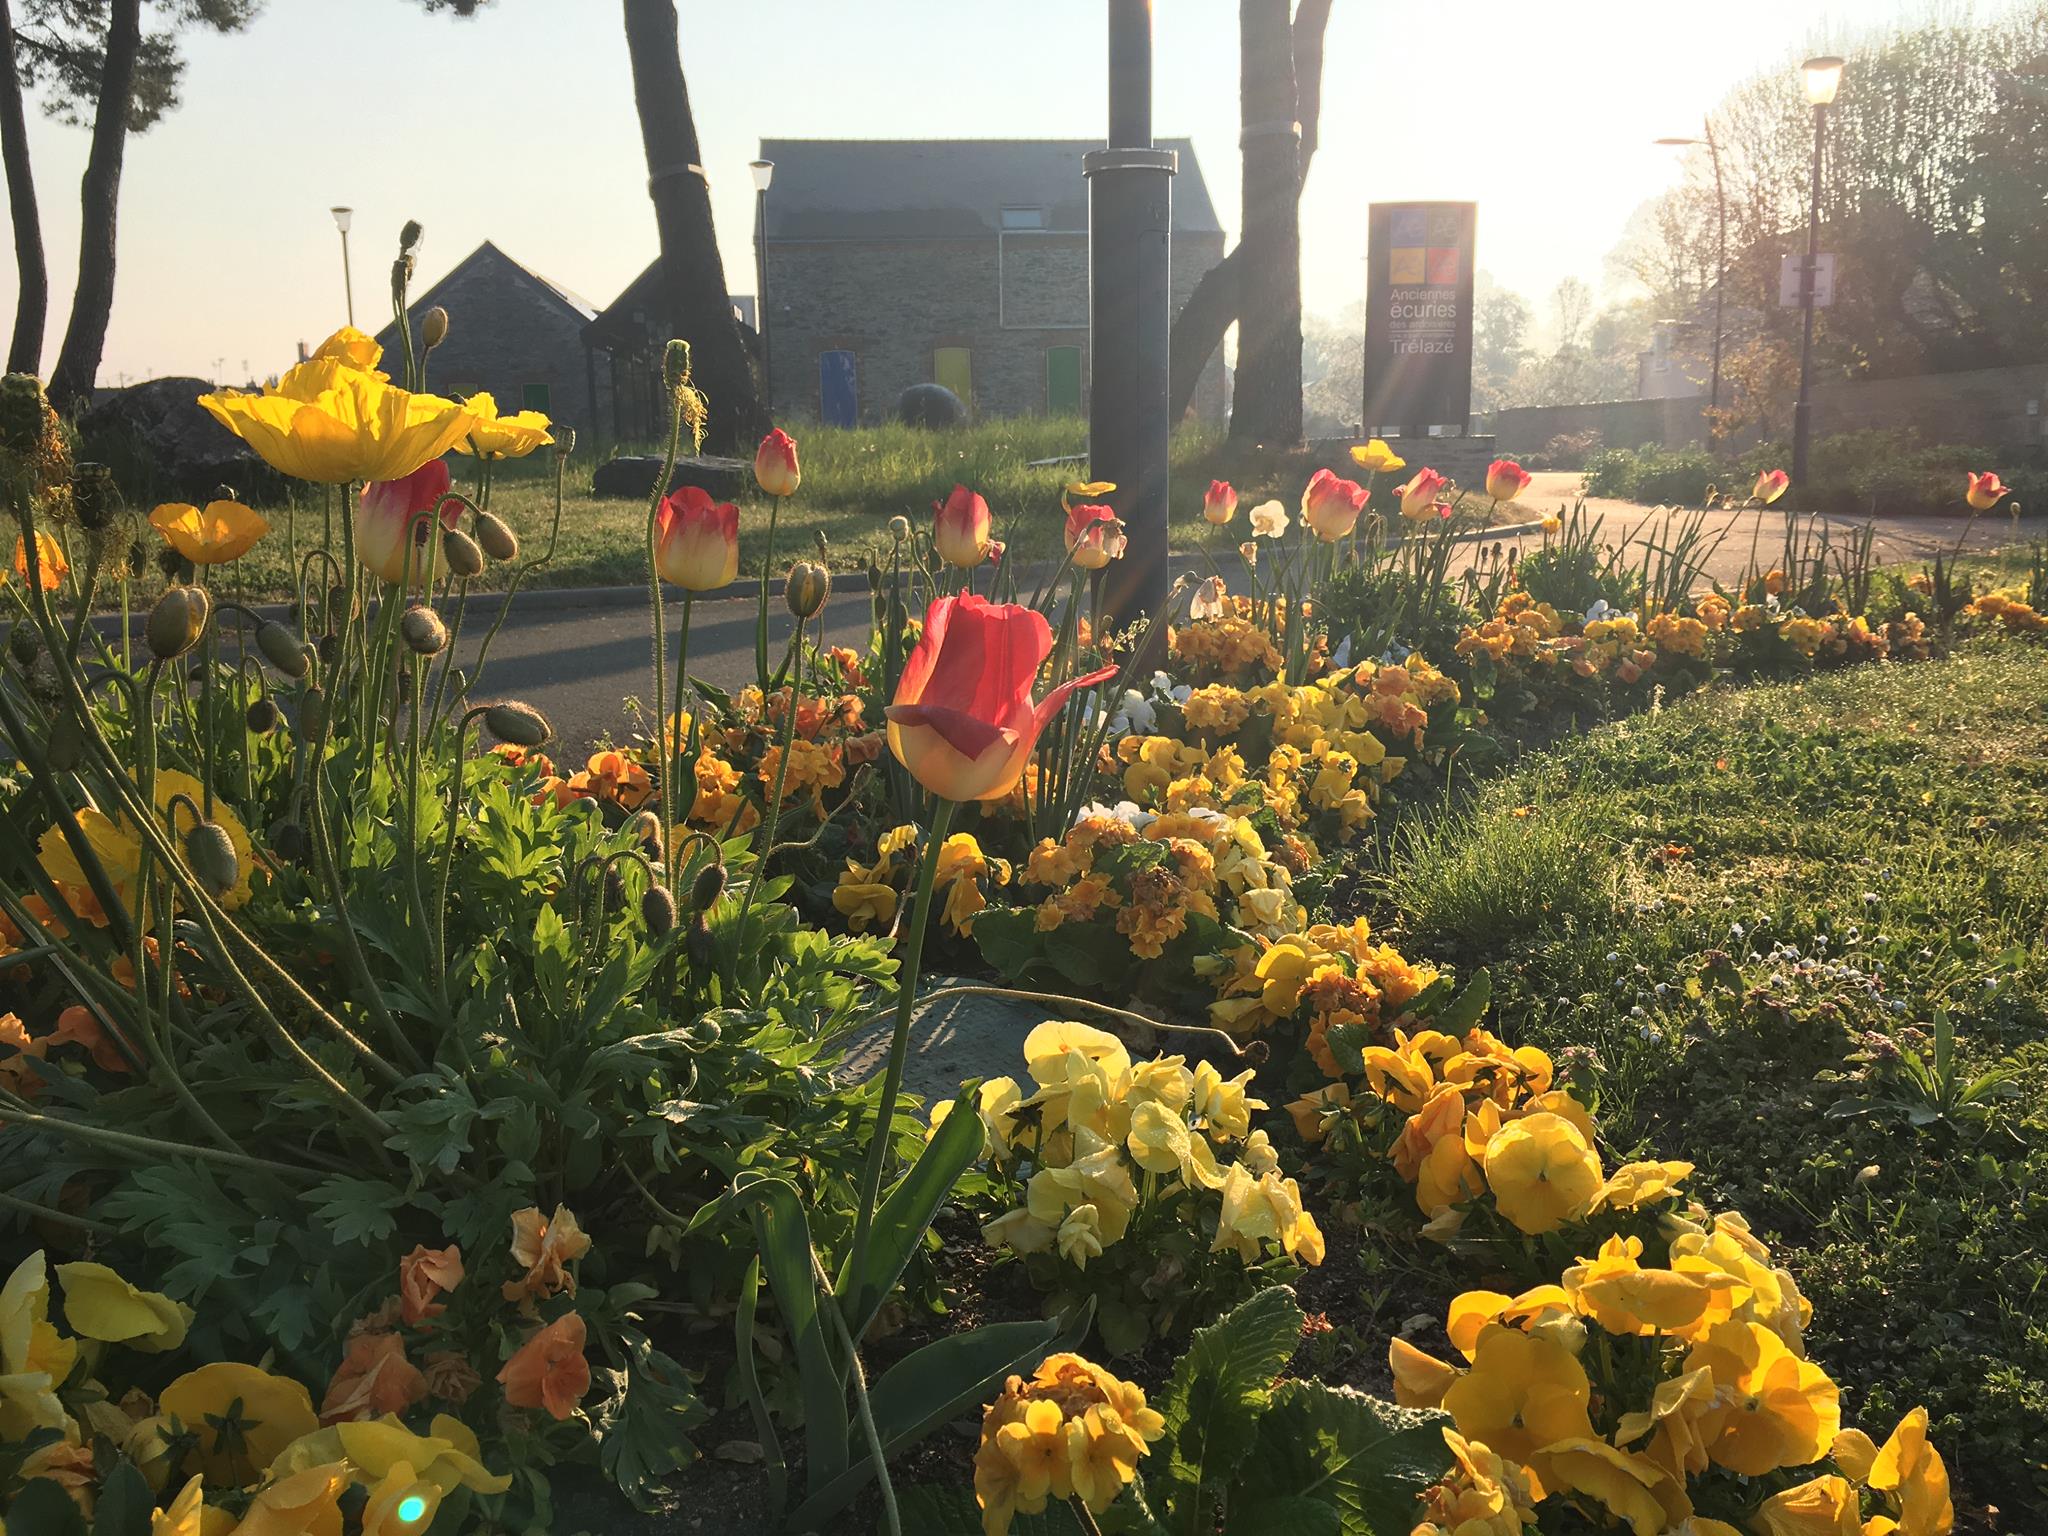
518	126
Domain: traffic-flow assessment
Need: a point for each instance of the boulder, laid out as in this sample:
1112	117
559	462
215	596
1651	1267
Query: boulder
633	475
166	447
931	406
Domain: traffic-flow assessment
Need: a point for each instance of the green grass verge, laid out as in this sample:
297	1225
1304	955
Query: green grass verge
1745	905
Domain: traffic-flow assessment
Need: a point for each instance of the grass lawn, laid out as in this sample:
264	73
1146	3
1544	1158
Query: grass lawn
1748	906
854	482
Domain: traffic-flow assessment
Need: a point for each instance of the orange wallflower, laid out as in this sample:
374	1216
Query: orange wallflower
546	1246
424	1274
81	1026
549	1370
374	1378
611	775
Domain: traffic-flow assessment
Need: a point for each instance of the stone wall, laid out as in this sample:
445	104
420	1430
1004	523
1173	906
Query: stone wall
1989	407
504	333
893	304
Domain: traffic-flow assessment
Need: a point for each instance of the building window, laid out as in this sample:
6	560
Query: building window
534	397
1023	218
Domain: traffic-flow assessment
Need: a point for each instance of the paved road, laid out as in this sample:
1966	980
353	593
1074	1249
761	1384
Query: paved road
577	655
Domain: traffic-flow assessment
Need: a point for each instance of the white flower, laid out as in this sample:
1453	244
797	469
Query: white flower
1134	712
1269	519
1599	610
1125	811
1207	602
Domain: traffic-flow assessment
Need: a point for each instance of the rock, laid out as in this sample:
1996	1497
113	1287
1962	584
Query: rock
633	476
165	446
931	406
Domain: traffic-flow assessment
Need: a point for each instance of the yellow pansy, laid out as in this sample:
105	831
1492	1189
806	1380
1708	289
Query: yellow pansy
1225	1103
306	1503
1046	1048
447	1456
1909	1467
1774	1409
1822	1506
1673	1423
1420	1379
211	535
1621	1296
1523	1392
502	437
1542	1172
1534	1310
1632	1488
1080	1236
243	1418
99	1304
183	1516
1165	1081
1635	1185
400	1503
34	1358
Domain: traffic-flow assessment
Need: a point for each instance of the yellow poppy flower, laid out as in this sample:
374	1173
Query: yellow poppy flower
51	564
213	535
331	421
1542	1172
1377	457
1776	1409
502	437
1523	1393
1633	1488
1910	1467
1822	1506
99	1304
243	1418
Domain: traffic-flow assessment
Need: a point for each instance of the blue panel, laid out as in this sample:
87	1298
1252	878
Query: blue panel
838	390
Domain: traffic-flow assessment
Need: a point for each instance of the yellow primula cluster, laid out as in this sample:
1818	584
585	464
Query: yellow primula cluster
1106	1138
1692	1363
1072	1431
1334	972
868	895
1228	647
1156	872
2009	606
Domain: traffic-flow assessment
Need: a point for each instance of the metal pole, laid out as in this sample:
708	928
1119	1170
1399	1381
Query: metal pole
348	283
1720	269
1130	313
761	296
1802	413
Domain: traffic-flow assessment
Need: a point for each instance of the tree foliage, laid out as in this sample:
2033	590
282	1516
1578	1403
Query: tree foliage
60	51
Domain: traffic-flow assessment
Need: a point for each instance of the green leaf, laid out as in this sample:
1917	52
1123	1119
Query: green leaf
1364	1457
785	1237
123	1507
1009	940
1213	1404
357	1210
643	1432
906	1212
44	1507
1287	1515
1459	1015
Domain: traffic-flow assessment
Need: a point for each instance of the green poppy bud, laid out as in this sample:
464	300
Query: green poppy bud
434	327
807	589
211	853
290	841
66	745
24	644
517	724
496	537
23	409
675	365
262	716
565	440
313	712
707	887
423	631
658	910
461	552
282	648
176	622
699	945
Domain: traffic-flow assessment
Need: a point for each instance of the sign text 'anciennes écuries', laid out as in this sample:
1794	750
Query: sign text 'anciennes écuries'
1418	316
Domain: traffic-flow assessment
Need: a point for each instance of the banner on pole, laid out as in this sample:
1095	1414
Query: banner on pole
1418	315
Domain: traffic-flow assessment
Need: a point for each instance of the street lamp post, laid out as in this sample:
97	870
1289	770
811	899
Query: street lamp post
1720	261
764	172
1823	78
348	285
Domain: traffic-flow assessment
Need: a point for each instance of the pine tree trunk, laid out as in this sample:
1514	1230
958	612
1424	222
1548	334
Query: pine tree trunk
1267	402
693	274
32	306
92	303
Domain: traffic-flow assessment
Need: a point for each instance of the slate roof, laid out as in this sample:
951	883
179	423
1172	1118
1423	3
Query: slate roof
900	189
488	252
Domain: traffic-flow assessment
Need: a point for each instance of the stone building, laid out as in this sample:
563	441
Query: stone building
962	262
514	333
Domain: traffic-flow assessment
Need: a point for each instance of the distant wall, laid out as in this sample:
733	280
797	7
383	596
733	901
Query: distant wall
1990	407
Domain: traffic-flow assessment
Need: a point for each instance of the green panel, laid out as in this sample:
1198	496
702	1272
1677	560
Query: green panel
1063	381
954	368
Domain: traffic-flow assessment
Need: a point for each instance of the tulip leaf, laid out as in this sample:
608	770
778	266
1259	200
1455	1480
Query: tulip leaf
785	1237
932	1385
906	1213
1466	1010
1365	1458
1214	1402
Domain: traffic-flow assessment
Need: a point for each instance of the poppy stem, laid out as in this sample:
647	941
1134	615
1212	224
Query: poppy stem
899	1042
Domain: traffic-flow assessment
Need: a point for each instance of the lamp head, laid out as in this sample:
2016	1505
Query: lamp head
1823	79
342	217
764	172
